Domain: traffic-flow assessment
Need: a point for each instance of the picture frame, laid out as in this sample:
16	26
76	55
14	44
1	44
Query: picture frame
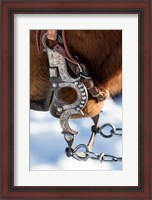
143	190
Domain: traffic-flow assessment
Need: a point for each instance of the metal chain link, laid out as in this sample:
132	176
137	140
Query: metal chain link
81	152
112	132
84	155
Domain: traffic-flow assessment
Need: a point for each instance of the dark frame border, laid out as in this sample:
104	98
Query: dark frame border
9	9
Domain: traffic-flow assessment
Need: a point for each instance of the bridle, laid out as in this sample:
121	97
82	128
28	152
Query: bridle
61	62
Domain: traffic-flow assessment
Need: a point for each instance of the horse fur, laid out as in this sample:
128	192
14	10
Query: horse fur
99	50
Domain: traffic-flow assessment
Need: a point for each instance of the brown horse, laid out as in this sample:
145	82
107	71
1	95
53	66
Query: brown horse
99	50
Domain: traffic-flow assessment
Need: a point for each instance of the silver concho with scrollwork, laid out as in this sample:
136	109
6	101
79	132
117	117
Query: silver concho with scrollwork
60	78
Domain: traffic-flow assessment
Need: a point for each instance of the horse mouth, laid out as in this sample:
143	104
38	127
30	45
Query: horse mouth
41	104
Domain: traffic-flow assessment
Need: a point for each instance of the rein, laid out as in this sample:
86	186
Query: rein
60	61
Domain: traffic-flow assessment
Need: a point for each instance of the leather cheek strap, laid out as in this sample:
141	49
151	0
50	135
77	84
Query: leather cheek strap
99	95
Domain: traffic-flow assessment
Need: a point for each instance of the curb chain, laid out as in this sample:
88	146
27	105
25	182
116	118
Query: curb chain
82	152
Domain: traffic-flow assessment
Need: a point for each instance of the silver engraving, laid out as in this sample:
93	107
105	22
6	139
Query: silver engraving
60	78
53	72
64	120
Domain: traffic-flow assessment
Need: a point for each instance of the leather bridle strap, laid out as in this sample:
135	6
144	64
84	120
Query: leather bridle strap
38	35
75	65
67	49
99	95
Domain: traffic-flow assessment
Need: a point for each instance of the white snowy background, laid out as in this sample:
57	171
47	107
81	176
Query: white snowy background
47	144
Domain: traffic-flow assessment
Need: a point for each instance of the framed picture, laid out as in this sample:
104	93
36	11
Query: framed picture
33	163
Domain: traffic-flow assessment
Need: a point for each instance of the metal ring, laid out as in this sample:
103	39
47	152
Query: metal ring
111	132
117	130
79	157
84	76
44	38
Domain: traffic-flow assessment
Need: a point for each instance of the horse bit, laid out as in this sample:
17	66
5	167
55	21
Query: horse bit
81	83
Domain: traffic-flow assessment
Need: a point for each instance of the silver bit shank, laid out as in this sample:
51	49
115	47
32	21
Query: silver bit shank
60	78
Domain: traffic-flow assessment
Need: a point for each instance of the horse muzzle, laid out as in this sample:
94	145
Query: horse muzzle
41	104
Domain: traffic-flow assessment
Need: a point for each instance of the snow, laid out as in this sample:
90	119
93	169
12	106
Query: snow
47	144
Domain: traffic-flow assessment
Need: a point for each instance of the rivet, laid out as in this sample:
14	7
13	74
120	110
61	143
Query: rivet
82	89
84	98
59	109
83	93
75	83
79	86
81	106
54	85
